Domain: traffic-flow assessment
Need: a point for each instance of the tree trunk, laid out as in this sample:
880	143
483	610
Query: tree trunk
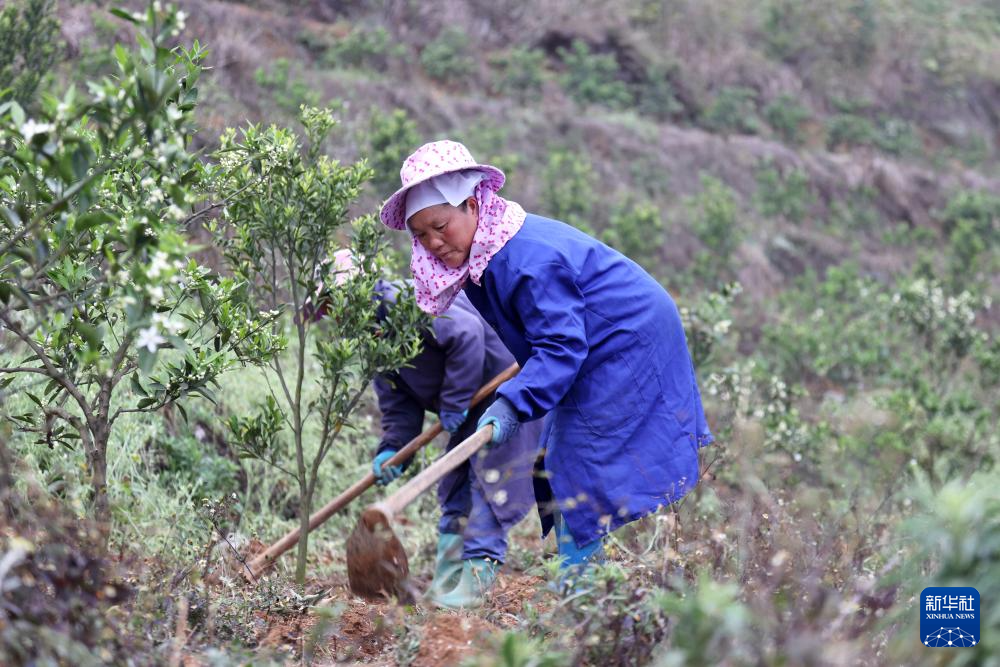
97	459
305	510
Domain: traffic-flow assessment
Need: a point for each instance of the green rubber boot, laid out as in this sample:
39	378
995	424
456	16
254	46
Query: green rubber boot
478	575
447	565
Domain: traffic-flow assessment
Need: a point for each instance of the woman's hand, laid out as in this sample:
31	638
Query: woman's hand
452	421
504	419
385	474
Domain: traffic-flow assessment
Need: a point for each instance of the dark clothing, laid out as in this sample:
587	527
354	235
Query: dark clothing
602	350
459	356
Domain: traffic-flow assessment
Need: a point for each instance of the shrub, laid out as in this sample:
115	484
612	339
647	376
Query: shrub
372	48
713	220
749	392
980	208
521	73
955	541
784	28
391	138
710	624
896	136
971	221
707	324
656	97
289	92
516	649
788	196
846	130
714	216
612	619
854	212
842	32
734	109
60	589
785	116
448	59
28	34
187	463
592	78
568	189
636	230
826	329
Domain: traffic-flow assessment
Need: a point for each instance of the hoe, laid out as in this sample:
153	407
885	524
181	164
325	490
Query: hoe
265	559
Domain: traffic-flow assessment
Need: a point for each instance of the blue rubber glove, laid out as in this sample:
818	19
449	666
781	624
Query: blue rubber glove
452	421
501	414
385	474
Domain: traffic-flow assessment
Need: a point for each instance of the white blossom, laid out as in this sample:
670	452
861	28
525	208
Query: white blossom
31	128
165	321
158	265
150	339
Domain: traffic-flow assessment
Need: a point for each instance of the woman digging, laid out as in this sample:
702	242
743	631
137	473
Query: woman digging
600	344
484	498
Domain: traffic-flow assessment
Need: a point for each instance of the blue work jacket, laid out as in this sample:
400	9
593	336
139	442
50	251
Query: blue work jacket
602	350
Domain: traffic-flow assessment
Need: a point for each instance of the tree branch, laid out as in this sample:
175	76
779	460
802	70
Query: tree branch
51	208
52	371
74	421
194	216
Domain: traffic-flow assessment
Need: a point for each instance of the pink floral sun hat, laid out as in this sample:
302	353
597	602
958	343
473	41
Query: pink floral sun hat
428	161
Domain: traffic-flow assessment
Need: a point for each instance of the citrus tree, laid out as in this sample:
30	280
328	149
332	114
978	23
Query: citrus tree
288	212
102	311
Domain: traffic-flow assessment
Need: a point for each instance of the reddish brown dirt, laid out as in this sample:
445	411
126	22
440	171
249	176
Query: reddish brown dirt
366	629
366	632
284	630
447	638
512	591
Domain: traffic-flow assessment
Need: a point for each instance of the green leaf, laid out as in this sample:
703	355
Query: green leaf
146	402
52	387
124	15
208	393
91	334
16	114
121	55
23	253
178	342
10	218
137	386
88	221
34	398
147	360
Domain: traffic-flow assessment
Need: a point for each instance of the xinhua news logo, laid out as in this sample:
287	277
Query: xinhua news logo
949	617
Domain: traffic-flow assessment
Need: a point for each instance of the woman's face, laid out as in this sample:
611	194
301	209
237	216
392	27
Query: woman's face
447	231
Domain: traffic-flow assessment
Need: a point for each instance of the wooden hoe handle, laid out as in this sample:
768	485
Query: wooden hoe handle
430	475
271	554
